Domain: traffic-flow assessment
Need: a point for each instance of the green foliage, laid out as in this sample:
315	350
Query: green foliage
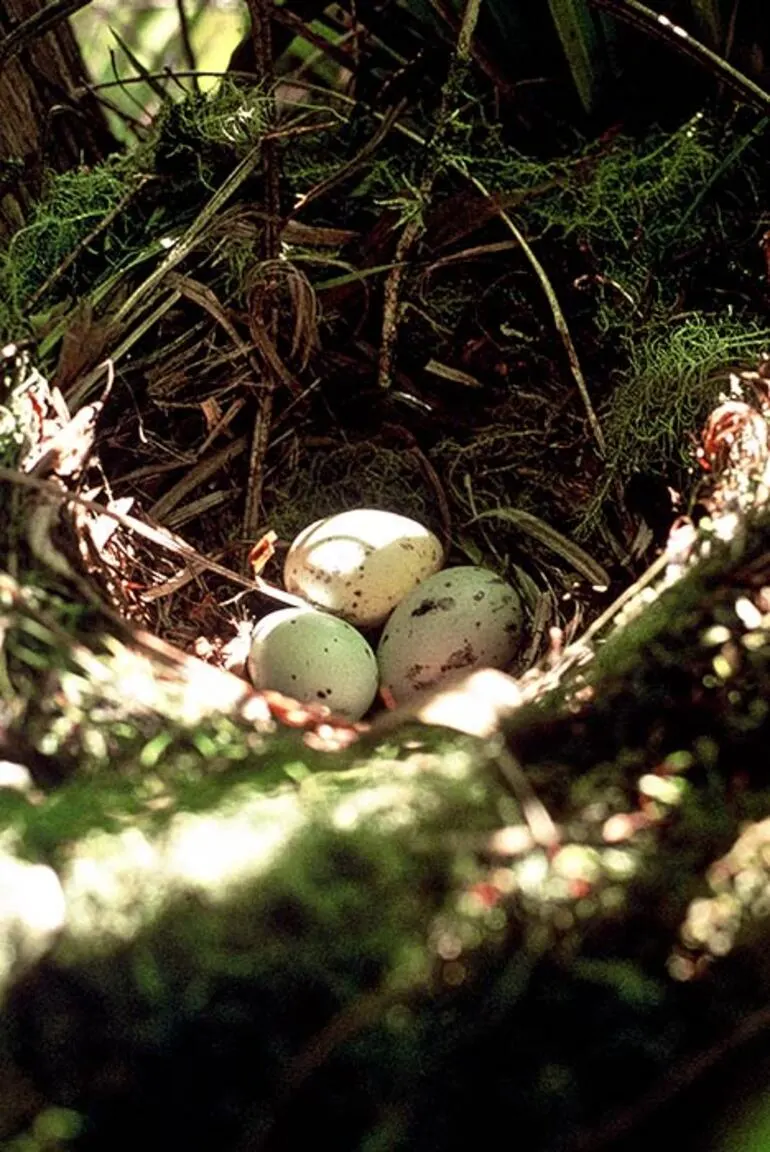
80	233
577	33
69	210
151	35
627	201
53	1130
675	373
196	136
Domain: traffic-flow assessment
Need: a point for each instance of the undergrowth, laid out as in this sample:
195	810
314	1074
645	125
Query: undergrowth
674	376
629	219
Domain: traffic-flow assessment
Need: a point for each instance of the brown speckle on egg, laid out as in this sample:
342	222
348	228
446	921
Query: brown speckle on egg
462	657
428	636
361	563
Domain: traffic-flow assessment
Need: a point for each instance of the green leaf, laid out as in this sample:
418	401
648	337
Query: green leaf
577	32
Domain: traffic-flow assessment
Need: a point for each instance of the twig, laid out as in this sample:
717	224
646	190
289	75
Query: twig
260	12
677	1080
558	318
43	21
156	535
433	162
184	28
390	311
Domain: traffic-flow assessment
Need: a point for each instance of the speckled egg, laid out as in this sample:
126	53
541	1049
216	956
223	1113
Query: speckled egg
458	619
360	564
316	658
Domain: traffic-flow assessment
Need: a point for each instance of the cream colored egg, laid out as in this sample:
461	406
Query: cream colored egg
360	564
316	658
456	620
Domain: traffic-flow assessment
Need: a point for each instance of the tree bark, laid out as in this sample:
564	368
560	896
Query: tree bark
48	121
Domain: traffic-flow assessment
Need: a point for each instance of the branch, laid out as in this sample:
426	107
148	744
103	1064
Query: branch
42	22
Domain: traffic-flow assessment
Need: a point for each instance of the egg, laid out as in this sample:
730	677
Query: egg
360	564
316	658
460	618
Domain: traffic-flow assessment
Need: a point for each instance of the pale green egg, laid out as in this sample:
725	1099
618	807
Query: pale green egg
316	658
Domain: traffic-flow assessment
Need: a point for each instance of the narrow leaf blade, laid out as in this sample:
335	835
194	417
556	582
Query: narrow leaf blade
577	32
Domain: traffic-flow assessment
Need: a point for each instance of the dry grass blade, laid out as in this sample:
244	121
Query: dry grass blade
539	530
80	390
203	471
560	322
185	244
266	284
154	534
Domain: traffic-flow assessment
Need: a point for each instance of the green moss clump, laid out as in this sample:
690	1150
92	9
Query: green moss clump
674	376
71	207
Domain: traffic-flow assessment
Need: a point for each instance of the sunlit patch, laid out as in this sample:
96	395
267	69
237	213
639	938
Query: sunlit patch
724	527
32	912
618	864
511	841
109	884
395	804
623	826
213	852
663	789
748	613
15	777
531	873
115	883
715	635
740	883
712	923
577	862
723	666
